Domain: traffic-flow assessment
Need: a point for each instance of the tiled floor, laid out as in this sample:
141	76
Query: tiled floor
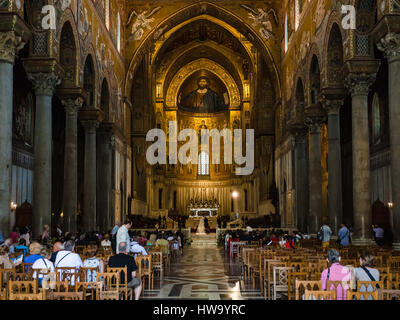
203	272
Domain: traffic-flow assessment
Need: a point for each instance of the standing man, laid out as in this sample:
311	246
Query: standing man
115	229
344	235
325	235
123	234
379	235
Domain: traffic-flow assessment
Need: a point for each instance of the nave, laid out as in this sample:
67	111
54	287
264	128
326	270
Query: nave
206	273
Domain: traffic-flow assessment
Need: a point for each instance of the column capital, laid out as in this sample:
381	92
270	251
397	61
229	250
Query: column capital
390	45
72	105
332	107
44	84
10	44
315	117
359	83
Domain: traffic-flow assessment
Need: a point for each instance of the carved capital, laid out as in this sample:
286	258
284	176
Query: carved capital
332	107
44	83
72	105
10	44
359	83
314	124
390	45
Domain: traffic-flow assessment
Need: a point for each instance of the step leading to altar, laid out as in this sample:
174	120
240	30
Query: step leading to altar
204	239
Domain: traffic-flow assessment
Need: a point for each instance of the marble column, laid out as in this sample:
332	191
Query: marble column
359	85
335	208
70	196
314	174
390	45
44	85
89	178
9	46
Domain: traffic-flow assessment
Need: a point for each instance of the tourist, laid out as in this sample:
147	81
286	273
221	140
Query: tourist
115	229
45	235
123	233
67	258
5	258
366	271
92	262
106	243
227	236
14	235
34	249
25	235
344	235
22	246
379	235
336	272
123	259
57	246
324	235
164	244
42	265
136	248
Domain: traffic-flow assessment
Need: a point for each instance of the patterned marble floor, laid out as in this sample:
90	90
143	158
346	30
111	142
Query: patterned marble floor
203	272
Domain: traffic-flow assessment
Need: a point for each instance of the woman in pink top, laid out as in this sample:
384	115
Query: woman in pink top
336	272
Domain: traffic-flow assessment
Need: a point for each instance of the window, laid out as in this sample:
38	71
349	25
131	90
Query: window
376	117
286	33
119	33
107	13
203	164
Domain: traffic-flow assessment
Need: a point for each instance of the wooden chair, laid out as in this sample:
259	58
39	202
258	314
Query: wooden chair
280	280
351	295
319	295
89	290
339	286
26	267
390	294
302	285
157	263
145	269
299	266
269	277
368	286
110	285
67	273
24	290
292	277
88	274
67	296
125	292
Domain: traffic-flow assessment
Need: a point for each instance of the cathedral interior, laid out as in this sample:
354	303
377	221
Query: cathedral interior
83	81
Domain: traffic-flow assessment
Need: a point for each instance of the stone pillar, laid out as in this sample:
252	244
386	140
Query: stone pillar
390	45
89	178
9	46
335	208
359	85
314	120
104	174
70	196
301	179
44	85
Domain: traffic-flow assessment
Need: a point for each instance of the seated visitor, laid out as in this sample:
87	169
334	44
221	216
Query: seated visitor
136	248
274	239
152	240
45	238
25	235
106	242
14	235
57	246
67	258
5	258
34	253
123	259
22	246
92	262
42	264
366	271
336	272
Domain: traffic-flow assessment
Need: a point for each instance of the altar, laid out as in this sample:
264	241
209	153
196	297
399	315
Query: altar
200	208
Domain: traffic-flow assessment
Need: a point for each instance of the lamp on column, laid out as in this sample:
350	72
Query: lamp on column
13	206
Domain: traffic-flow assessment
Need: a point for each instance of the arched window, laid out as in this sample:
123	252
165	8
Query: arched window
107	13
119	33
203	164
286	33
376	117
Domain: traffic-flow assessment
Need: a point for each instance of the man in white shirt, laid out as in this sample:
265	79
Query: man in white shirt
136	248
123	234
67	258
